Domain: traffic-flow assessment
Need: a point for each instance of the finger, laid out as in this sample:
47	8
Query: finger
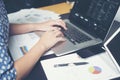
58	33
61	39
55	28
61	23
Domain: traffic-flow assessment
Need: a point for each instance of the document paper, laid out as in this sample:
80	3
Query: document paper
96	69
20	44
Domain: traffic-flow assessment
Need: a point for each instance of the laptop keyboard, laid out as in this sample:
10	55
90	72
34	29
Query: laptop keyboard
75	36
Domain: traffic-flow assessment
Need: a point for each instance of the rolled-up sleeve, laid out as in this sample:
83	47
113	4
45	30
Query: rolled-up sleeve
7	70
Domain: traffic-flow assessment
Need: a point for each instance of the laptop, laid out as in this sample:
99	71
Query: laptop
112	46
113	28
88	24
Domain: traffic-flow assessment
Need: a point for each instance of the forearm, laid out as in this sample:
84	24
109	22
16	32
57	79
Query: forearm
30	27
25	64
21	28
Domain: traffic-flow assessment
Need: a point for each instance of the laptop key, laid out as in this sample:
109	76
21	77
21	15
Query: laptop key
75	36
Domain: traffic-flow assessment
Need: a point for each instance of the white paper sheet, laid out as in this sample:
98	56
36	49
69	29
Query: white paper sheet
20	44
97	69
32	16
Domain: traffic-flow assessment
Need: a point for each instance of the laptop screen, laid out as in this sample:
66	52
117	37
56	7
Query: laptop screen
94	15
112	45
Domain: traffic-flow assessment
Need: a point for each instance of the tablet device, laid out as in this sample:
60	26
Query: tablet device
112	46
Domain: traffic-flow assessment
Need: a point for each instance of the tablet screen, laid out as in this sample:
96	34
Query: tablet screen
112	45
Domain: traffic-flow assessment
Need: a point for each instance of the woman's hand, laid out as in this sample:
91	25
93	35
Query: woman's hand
31	27
49	25
50	38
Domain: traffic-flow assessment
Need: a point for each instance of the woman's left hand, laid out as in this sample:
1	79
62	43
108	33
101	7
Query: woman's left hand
49	25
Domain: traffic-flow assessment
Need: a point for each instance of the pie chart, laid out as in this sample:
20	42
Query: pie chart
95	70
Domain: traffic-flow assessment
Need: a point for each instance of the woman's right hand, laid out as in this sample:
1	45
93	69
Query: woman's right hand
50	38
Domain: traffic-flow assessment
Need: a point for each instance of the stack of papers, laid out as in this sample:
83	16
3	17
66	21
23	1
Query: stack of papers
32	16
73	67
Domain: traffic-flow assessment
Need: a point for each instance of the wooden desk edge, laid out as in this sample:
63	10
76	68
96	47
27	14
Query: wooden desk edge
61	8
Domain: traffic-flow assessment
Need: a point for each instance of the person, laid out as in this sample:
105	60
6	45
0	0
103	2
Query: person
17	70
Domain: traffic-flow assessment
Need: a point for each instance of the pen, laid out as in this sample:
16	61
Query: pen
67	64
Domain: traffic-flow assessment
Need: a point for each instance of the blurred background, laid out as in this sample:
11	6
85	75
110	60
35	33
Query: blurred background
15	5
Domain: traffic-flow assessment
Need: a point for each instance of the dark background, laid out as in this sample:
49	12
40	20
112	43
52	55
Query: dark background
15	5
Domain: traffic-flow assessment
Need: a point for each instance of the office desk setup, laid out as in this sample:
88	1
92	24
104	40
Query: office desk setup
38	72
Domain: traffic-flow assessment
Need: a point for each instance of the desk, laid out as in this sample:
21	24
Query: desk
38	73
61	8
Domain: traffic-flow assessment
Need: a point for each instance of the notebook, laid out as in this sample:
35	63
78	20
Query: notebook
112	46
88	24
